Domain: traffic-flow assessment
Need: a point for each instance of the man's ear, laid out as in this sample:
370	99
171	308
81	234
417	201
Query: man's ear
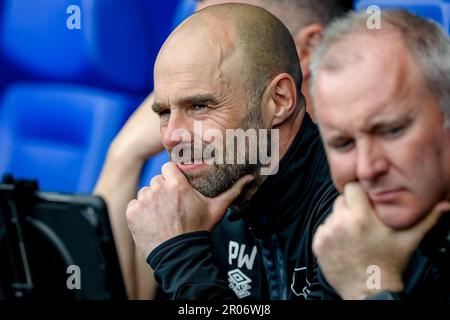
306	39
282	98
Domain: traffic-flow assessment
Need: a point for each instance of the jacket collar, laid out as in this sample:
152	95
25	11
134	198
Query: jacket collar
274	199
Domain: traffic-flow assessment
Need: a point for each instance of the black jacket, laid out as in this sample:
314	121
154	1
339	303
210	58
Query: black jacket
427	276
262	251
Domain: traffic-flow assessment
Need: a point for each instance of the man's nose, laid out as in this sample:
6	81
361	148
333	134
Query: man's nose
177	130
372	161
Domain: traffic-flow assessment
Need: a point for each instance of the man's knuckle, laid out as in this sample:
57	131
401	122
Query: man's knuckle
142	192
130	212
317	245
325	233
166	166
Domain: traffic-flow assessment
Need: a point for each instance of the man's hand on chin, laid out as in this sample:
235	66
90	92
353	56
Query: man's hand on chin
170	206
352	239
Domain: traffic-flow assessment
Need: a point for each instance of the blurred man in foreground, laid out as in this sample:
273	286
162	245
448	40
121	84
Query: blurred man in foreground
382	102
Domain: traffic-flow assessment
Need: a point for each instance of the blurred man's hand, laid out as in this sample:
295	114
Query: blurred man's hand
353	238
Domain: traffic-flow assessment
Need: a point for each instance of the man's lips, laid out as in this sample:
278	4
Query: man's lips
385	196
191	165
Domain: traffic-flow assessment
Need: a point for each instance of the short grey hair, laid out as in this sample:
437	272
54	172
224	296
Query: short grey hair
297	14
425	40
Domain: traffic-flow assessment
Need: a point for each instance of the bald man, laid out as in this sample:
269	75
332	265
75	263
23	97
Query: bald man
381	98
140	137
243	73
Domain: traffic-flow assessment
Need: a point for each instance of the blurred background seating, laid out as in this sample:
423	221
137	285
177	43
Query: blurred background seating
65	93
436	10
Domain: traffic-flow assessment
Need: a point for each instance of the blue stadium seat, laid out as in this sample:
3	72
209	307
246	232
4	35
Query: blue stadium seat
59	134
152	168
111	48
80	85
435	10
184	9
3	64
160	16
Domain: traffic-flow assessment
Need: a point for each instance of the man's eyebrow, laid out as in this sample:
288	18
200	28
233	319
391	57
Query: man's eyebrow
158	107
400	119
195	99
374	125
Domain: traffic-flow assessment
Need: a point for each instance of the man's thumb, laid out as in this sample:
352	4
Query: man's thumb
224	199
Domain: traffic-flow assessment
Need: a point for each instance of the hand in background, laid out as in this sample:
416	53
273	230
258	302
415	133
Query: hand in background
138	140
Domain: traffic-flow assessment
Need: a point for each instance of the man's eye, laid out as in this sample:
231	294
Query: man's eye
395	131
341	145
199	107
164	114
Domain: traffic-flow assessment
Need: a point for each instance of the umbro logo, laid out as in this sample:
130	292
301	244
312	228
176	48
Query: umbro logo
239	283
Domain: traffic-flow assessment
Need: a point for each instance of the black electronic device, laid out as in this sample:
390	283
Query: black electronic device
55	246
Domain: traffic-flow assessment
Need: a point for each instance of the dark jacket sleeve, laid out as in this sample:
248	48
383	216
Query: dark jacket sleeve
186	269
319	288
387	295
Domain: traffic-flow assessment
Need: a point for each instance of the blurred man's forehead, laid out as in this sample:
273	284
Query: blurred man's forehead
384	46
366	64
375	80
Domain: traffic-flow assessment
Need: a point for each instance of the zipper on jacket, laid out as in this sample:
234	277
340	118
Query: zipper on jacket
274	266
